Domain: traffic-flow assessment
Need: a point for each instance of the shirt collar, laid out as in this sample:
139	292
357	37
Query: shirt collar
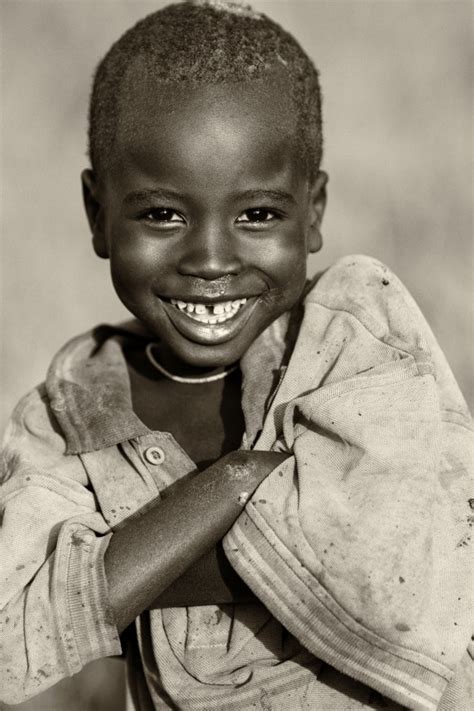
89	387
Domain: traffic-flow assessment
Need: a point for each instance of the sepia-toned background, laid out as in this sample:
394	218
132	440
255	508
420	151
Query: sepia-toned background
397	83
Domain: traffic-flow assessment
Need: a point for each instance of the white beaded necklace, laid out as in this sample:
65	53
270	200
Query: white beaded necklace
179	378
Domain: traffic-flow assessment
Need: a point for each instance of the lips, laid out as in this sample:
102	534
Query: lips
210	323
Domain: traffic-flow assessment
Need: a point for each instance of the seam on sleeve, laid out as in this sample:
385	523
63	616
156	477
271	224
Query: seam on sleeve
398	372
404	653
30	399
371	325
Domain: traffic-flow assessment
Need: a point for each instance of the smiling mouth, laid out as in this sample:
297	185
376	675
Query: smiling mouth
210	314
211	323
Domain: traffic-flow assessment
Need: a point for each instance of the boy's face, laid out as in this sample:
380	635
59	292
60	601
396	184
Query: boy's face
206	216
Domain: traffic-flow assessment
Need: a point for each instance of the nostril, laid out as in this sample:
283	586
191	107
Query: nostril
210	267
209	253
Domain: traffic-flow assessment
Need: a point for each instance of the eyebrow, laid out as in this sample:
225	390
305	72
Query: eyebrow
277	195
139	196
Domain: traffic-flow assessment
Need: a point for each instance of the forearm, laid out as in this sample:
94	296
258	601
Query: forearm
153	550
209	581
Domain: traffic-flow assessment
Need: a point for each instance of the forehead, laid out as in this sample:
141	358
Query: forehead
242	115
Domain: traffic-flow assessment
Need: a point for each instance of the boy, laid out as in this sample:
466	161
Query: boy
310	434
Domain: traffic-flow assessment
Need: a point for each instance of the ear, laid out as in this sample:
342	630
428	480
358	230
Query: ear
94	212
317	204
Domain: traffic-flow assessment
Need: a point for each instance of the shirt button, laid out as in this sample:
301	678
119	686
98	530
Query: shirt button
154	455
58	404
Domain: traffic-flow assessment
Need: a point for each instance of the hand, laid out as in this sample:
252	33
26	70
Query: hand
252	460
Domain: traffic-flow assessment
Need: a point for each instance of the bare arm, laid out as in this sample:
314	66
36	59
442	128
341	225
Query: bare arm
211	580
152	551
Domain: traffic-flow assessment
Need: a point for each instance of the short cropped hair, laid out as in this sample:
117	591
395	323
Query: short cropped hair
204	42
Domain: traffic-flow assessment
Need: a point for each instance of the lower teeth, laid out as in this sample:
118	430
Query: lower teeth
213	319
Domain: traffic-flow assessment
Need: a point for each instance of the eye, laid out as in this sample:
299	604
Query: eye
162	216
257	215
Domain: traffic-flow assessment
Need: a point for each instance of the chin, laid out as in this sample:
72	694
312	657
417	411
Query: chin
200	356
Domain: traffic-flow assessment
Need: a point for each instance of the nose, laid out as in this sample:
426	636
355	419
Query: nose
210	252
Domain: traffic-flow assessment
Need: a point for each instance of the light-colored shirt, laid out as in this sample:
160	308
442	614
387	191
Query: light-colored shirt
357	545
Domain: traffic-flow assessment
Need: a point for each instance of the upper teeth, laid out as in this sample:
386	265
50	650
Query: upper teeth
210	313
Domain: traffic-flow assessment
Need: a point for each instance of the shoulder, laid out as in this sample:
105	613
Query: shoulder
32	419
360	302
34	445
37	440
33	422
367	290
33	415
34	452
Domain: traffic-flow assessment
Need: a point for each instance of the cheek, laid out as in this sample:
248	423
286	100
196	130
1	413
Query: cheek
286	263
134	263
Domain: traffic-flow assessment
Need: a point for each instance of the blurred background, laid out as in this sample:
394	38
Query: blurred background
396	77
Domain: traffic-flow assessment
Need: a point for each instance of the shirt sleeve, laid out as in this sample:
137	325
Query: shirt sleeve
359	542
54	610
